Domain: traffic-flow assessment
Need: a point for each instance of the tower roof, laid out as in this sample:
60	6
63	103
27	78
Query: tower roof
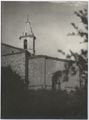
28	32
28	27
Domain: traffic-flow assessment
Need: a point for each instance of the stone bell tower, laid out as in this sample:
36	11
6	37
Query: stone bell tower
28	38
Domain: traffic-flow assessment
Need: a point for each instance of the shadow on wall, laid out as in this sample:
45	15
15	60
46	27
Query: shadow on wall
70	73
58	77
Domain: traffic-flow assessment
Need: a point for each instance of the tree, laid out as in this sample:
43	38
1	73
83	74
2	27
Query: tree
82	14
81	59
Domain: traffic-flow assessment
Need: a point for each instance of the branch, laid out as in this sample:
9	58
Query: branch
62	52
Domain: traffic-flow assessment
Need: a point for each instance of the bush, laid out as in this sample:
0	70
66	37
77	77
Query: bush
18	102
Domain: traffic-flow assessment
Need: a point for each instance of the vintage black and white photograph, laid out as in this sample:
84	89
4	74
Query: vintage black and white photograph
44	59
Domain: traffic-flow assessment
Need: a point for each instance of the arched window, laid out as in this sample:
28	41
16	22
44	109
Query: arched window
25	44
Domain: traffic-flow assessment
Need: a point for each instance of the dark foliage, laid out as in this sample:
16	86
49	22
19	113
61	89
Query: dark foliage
19	102
83	15
81	59
12	91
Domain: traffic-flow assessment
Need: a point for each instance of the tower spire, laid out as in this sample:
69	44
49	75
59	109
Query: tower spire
28	27
28	35
27	21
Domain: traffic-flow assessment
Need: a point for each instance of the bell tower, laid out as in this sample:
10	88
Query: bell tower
28	37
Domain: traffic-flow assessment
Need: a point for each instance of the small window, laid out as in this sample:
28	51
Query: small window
12	51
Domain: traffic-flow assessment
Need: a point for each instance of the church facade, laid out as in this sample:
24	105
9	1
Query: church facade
36	71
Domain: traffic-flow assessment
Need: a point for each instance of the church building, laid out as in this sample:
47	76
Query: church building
37	71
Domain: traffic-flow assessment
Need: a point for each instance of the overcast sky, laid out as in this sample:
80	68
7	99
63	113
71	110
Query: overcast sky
50	22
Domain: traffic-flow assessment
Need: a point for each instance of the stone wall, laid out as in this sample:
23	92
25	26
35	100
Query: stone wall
51	67
36	73
55	65
6	49
41	71
17	63
40	68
